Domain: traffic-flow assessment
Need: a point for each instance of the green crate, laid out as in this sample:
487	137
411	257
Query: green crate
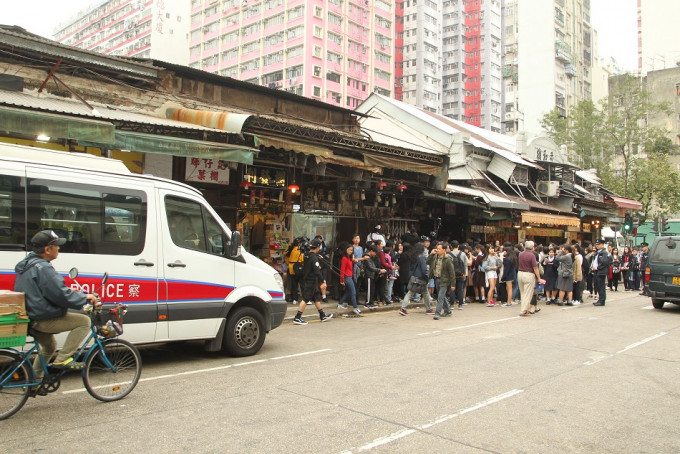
13	329
14	341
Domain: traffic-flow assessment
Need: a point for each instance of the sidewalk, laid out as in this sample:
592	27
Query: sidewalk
331	307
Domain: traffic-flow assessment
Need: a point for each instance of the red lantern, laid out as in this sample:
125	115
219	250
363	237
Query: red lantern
245	184
382	185
402	187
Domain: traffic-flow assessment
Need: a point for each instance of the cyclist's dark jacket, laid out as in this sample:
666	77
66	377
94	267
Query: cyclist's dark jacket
47	295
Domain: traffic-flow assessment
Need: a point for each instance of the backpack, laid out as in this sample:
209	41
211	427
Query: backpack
459	266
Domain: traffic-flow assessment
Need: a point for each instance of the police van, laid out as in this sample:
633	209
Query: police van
170	258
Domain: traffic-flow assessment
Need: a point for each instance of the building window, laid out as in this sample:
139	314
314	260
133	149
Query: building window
316	91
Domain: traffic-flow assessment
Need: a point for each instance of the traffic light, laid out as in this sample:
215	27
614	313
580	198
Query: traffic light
664	225
628	223
655	225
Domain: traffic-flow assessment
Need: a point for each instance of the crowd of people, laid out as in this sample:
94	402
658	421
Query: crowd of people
444	275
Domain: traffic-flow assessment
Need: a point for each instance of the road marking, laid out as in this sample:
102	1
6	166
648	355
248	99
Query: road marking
469	326
625	349
643	341
647	307
212	369
301	354
408	431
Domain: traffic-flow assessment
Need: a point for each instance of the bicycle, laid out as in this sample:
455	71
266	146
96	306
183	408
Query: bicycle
112	366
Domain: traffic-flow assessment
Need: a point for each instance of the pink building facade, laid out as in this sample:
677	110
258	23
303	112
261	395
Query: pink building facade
337	51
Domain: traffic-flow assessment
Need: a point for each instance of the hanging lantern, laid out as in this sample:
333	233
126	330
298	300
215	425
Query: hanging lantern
382	185
245	184
293	188
402	187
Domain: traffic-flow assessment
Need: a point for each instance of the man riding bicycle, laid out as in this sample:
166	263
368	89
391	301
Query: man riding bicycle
48	300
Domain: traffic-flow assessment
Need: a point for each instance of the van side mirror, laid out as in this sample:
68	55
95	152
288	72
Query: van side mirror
73	273
234	245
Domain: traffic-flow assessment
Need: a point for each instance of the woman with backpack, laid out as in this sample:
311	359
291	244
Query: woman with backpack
418	270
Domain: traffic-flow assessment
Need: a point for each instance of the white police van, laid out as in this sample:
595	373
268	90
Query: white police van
170	258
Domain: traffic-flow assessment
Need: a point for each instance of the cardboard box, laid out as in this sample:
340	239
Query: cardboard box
12	303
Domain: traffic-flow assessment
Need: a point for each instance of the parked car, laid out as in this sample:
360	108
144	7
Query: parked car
662	273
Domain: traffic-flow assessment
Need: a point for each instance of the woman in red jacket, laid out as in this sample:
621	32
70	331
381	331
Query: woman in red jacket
347	281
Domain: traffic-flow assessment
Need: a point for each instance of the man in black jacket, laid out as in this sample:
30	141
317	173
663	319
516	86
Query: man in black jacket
600	267
48	300
313	283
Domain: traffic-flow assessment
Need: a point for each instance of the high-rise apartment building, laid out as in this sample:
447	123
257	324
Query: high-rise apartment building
658	34
449	56
338	51
548	60
156	29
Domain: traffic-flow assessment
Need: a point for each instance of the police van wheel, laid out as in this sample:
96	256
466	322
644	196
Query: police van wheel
657	303
245	332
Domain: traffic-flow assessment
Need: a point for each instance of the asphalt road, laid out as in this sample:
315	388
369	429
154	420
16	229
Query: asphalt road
582	379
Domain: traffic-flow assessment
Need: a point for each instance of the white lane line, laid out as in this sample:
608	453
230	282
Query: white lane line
643	341
405	432
211	369
469	326
631	346
301	354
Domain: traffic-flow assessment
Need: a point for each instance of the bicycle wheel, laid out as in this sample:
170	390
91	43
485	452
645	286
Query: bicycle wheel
109	384
13	396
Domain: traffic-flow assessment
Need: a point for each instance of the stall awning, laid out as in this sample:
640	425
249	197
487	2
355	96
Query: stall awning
492	199
225	121
550	219
449	197
623	202
177	146
31	123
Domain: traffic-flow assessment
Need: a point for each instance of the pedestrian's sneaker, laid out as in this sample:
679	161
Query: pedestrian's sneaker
403	312
430	311
490	304
436	317
325	317
324	300
294	303
370	306
341	307
447	314
507	305
576	302
460	307
299	321
356	311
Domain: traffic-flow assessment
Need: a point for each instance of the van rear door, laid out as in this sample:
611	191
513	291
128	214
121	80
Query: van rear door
198	276
110	226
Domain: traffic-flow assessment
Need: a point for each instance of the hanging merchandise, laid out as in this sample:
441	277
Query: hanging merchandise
261	197
252	197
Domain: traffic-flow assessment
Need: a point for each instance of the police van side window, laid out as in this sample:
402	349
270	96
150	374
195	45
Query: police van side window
192	227
12	213
93	219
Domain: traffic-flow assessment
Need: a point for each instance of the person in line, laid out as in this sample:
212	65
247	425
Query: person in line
397	288
419	270
642	259
527	275
578	275
347	280
491	266
445	277
478	275
635	269
615	270
372	270
600	268
565	275
391	267
294	259
509	276
376	235
550	276
48	300
626	261
460	266
588	272
313	283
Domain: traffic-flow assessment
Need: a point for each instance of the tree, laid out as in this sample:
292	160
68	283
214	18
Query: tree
581	132
653	183
625	127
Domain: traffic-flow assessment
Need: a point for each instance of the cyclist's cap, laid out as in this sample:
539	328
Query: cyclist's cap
46	238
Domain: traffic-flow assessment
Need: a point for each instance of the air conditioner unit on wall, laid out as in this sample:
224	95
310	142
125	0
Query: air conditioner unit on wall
548	188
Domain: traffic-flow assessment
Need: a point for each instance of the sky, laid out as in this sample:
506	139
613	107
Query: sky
615	21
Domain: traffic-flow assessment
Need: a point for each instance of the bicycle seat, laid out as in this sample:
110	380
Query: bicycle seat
32	331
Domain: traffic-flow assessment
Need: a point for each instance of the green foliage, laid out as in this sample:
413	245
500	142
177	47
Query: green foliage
611	139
